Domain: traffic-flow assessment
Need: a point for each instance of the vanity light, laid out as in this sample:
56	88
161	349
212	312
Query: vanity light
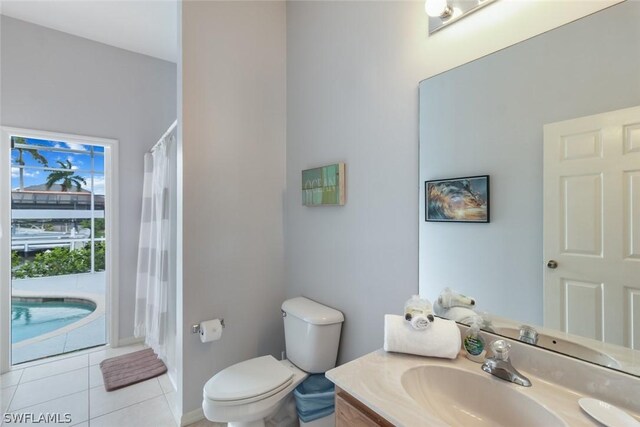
446	12
437	9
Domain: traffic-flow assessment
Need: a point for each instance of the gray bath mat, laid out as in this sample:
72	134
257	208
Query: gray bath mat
131	368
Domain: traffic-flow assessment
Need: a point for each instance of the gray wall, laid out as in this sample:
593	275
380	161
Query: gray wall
352	75
57	82
486	117
233	147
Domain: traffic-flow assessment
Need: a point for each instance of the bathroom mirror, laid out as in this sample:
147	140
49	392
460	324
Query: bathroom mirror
488	117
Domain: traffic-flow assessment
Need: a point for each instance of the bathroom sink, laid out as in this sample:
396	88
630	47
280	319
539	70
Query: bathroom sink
566	347
464	398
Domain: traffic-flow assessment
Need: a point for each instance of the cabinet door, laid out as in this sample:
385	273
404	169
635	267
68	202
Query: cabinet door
352	413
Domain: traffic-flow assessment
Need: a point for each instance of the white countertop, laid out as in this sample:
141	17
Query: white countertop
375	380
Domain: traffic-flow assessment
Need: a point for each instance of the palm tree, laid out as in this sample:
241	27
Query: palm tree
20	160
67	178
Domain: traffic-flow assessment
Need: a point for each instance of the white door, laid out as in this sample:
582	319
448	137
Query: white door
102	182
592	226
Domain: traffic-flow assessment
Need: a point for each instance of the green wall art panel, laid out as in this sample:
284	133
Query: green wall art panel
323	186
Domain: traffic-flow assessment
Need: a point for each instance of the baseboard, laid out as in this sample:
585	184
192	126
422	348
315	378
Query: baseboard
129	341
192	417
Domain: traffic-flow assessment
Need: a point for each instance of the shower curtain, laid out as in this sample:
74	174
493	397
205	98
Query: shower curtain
154	276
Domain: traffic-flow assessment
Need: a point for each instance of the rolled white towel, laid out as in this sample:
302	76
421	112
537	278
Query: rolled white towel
441	339
421	322
457	314
437	309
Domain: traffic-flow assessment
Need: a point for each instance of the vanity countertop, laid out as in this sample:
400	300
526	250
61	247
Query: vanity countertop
375	380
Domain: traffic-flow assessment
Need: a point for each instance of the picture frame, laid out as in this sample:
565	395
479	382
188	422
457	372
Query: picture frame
324	186
464	199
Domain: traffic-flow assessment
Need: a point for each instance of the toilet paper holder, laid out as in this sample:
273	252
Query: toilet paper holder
195	328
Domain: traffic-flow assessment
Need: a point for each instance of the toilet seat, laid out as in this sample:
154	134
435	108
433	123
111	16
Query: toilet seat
248	381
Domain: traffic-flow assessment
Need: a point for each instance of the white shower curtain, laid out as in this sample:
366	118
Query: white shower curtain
154	275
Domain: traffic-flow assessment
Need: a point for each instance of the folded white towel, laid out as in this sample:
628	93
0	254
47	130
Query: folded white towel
457	314
420	322
441	339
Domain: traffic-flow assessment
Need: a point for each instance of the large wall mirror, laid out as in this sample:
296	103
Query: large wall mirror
552	121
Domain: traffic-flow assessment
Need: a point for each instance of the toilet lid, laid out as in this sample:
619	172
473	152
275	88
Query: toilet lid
248	379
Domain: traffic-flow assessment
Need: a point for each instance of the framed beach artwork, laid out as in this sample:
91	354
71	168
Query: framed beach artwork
324	186
457	199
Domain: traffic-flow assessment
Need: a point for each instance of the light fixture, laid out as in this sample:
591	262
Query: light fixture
446	12
437	9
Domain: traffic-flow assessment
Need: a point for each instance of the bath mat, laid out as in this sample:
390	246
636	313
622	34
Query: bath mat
122	371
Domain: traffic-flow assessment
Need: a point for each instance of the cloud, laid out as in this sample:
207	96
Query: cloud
75	146
98	184
15	172
75	161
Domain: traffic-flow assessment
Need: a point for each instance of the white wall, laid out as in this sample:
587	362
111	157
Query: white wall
233	147
352	95
57	82
352	73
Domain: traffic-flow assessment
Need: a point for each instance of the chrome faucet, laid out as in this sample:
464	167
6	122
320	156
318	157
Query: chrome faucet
528	334
500	366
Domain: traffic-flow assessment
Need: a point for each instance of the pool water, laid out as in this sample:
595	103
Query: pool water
32	319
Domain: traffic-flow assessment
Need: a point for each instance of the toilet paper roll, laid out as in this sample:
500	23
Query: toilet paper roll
210	330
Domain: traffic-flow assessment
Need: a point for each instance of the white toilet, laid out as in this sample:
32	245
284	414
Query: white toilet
246	393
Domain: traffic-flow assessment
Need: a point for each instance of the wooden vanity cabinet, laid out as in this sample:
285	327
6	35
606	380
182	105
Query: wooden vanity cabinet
350	412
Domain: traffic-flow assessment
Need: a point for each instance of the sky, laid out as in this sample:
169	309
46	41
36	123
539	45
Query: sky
80	162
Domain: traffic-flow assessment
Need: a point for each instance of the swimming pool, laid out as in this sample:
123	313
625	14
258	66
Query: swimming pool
32	317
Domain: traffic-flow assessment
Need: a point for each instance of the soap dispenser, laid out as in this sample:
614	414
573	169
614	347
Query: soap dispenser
473	343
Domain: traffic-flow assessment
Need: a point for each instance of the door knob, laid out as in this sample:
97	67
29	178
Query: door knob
553	264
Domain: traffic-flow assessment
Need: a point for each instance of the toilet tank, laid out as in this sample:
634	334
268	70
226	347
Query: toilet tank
312	334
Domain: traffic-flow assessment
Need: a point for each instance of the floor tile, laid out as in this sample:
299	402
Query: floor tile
95	376
49	388
206	423
172	401
98	356
76	406
5	398
166	384
151	413
10	378
54	368
102	402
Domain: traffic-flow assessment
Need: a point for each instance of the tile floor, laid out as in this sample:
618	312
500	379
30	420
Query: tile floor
73	384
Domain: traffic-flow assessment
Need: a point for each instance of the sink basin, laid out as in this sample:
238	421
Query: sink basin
463	398
566	347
